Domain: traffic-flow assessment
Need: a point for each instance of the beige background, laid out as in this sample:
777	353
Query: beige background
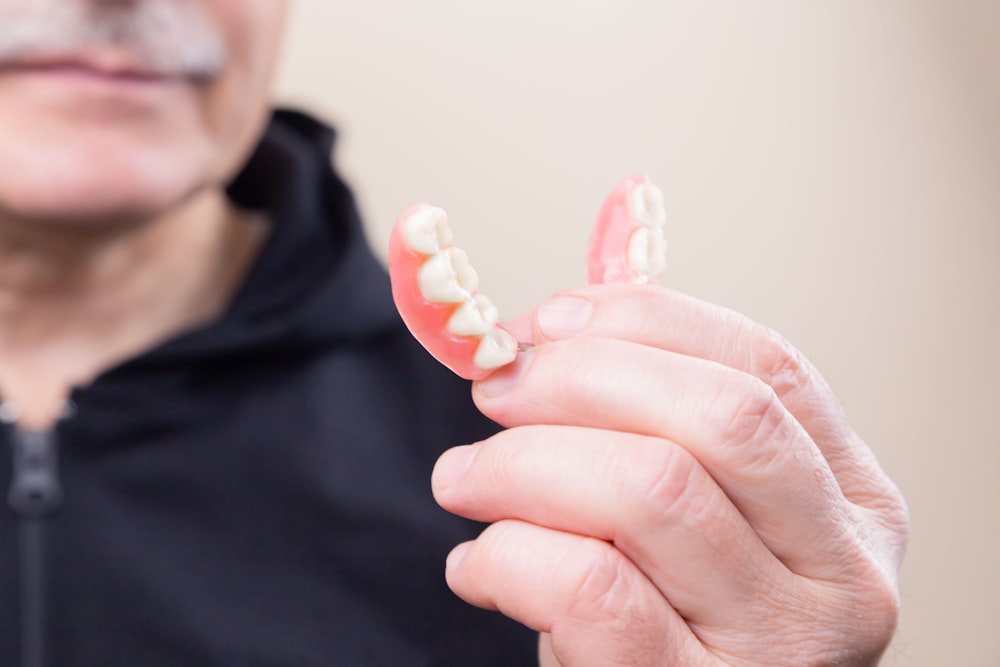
832	169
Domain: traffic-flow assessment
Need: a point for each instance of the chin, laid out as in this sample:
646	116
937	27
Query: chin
101	178
102	197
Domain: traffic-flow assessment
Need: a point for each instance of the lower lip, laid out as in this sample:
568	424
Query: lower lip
75	77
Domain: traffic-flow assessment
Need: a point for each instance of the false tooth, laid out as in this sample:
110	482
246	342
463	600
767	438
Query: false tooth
427	231
475	317
617	251
497	348
646	205
647	253
447	277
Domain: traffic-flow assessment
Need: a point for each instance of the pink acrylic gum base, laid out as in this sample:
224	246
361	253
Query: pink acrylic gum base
428	321
607	254
607	262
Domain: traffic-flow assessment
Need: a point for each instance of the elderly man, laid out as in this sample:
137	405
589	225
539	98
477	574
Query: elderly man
219	434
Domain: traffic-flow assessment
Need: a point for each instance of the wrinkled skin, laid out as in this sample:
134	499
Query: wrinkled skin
678	486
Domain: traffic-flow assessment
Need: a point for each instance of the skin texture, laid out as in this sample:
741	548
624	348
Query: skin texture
111	177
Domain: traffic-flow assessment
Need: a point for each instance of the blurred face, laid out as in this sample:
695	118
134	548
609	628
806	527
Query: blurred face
118	110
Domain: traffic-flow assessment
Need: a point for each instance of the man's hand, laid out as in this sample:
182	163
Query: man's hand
677	486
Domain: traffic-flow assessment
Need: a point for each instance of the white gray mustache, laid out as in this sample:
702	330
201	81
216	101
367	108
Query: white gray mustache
166	37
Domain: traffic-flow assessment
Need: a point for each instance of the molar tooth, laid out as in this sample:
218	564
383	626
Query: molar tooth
427	231
646	205
476	317
647	253
447	277
497	348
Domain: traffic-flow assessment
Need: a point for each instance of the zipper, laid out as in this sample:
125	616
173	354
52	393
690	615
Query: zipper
35	493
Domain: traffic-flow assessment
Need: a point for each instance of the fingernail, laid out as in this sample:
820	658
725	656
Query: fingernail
564	316
457	555
507	377
451	466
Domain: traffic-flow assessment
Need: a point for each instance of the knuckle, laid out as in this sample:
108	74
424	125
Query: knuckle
750	412
831	623
613	612
884	604
889	518
869	611
898	522
663	484
893	515
885	609
883	508
597	589
776	361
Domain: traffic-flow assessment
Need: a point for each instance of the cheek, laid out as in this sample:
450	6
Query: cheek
237	105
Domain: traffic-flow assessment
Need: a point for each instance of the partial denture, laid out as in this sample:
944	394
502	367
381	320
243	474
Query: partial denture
435	290
627	244
435	287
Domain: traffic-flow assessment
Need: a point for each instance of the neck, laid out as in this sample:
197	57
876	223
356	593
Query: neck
77	300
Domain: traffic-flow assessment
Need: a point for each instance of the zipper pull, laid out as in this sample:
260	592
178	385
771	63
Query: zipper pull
35	489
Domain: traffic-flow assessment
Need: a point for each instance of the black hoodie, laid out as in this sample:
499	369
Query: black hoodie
256	492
